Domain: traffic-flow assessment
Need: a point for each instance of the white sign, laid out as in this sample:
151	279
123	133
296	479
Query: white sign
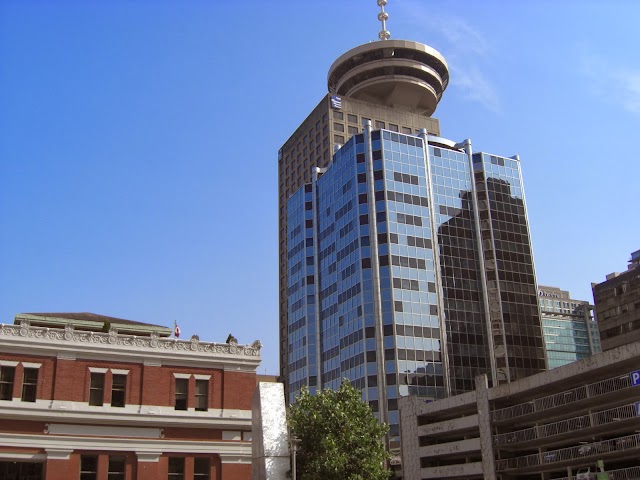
635	378
542	293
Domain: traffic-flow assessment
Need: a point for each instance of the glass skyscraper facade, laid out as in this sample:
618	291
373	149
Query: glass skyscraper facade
409	271
570	331
405	261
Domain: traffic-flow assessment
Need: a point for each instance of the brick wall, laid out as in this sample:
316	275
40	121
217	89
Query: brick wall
45	378
238	390
235	471
68	380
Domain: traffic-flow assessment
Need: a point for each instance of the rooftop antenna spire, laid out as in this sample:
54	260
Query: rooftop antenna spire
383	17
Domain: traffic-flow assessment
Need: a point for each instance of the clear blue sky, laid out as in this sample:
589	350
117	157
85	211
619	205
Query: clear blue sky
139	139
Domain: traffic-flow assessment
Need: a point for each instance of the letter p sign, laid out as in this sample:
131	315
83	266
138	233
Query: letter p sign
635	378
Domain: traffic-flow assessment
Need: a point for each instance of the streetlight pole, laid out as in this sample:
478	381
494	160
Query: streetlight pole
293	445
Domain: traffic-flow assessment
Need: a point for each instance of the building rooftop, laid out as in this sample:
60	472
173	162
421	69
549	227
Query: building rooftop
400	74
75	340
91	322
634	262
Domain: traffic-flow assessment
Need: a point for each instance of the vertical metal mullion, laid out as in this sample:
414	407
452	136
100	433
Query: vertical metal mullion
436	264
375	276
316	275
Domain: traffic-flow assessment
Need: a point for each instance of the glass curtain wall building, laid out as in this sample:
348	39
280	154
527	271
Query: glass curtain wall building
405	260
410	272
513	311
396	84
570	331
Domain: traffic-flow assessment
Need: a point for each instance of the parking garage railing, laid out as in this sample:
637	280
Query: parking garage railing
594	449
631	473
566	426
563	398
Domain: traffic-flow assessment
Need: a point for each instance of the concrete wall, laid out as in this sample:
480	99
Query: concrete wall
467	470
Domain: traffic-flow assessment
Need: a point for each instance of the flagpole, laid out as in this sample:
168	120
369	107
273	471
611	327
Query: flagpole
176	329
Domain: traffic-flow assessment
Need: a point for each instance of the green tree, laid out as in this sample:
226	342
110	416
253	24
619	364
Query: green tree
340	438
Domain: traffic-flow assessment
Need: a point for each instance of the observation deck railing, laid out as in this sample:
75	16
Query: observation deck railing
563	398
566	426
550	457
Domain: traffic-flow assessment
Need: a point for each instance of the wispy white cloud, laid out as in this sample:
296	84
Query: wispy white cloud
462	36
475	86
617	84
466	50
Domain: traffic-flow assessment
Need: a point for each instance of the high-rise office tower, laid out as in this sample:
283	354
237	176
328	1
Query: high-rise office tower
617	302
405	258
570	331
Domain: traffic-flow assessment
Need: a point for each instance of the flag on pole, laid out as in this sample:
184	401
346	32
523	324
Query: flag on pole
176	329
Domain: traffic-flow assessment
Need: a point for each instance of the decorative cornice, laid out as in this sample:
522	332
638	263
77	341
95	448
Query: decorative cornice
153	343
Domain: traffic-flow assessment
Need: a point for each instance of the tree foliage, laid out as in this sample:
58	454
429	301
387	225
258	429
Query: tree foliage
340	438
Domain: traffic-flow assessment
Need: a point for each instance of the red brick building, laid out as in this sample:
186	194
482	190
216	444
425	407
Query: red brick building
89	397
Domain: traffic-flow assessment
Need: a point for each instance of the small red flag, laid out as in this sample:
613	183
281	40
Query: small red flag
176	329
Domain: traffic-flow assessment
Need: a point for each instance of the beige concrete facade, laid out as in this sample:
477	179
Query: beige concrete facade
617	302
547	426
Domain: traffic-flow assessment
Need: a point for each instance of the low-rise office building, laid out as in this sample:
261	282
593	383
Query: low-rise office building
89	397
617	303
570	331
548	426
